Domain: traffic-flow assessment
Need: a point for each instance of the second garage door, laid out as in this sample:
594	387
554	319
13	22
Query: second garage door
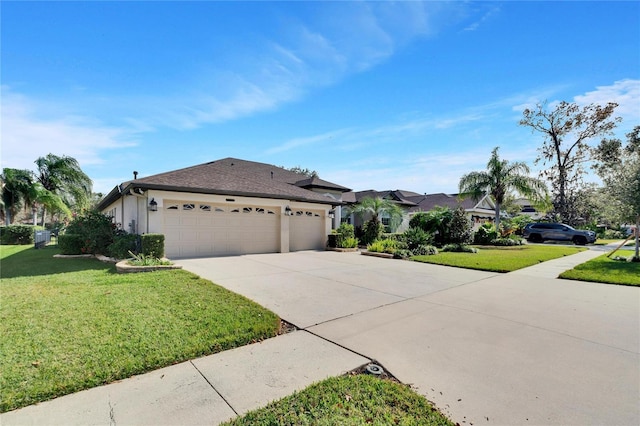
307	230
202	229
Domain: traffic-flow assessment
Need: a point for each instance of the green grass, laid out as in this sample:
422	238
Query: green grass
500	259
605	270
72	324
348	400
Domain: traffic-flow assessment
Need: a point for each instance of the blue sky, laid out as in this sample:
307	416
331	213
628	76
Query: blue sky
382	95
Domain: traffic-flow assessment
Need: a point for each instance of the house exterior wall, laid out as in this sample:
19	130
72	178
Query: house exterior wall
132	214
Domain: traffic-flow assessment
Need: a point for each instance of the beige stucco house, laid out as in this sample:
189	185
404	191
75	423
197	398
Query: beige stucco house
228	207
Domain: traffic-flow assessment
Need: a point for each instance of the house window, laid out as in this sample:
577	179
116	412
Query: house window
247	210
259	210
219	210
172	207
188	206
386	221
205	208
270	212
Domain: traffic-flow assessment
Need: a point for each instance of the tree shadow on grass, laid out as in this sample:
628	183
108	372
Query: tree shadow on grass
37	262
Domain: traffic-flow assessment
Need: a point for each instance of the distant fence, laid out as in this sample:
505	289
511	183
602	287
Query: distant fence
42	238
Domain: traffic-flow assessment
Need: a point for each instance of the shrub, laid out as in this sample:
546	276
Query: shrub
415	237
18	234
70	243
344	236
403	254
425	250
142	260
351	242
485	234
612	234
383	246
435	222
153	245
459	248
507	242
459	228
96	230
122	245
372	231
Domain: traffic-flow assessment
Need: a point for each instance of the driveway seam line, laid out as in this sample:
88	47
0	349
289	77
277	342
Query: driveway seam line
214	388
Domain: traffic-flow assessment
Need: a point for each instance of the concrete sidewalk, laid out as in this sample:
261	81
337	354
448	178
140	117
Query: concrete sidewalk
203	391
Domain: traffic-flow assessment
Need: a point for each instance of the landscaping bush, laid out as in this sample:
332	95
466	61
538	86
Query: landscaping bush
345	236
153	245
383	246
70	244
18	234
416	237
123	243
351	242
459	248
372	231
612	234
435	222
510	241
485	234
95	229
425	250
459	228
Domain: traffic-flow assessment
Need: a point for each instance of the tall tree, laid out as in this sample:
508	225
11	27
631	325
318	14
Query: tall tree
62	176
17	191
619	168
567	130
501	179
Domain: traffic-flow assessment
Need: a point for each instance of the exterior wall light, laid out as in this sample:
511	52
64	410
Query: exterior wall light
287	211
332	214
153	205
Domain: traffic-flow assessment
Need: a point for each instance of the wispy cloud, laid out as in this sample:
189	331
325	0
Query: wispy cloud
626	93
27	134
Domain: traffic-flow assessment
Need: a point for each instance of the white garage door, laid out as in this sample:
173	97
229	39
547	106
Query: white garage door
202	229
307	230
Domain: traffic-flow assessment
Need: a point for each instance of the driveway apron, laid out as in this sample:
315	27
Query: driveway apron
486	348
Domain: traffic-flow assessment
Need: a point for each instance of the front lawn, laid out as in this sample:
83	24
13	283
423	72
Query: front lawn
72	324
605	270
348	400
500	259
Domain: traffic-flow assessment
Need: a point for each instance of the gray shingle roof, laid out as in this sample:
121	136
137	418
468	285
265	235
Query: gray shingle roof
231	176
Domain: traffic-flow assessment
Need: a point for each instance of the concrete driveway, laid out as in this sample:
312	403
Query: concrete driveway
485	348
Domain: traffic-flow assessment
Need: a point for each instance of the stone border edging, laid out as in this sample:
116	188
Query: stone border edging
376	254
123	267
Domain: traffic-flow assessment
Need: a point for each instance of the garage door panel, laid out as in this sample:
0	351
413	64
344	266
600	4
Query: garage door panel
214	230
307	230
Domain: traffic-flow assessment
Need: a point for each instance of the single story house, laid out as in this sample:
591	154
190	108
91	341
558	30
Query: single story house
228	207
479	211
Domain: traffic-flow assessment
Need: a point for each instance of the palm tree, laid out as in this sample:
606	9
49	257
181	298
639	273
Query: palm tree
18	190
376	207
63	177
499	180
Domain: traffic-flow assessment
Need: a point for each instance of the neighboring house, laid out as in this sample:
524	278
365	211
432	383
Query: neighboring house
399	197
478	212
228	207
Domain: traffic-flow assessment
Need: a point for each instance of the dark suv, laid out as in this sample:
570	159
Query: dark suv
539	232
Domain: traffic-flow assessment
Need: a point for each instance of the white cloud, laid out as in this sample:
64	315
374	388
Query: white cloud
626	93
29	131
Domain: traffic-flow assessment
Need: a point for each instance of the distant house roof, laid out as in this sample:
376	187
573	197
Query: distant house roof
429	201
397	196
232	176
413	201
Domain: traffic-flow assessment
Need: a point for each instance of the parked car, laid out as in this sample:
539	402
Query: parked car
539	232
